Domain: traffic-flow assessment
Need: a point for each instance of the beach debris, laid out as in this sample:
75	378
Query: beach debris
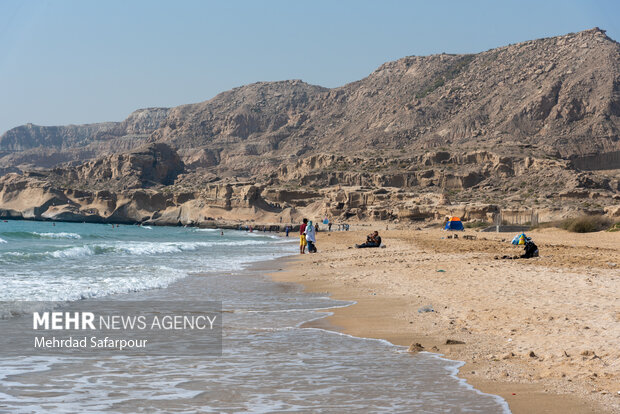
415	347
441	271
454	342
532	354
425	309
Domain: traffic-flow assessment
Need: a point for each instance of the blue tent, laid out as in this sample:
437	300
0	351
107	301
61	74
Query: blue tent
454	223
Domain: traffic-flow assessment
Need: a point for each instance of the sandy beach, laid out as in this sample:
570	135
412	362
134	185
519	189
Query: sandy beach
542	333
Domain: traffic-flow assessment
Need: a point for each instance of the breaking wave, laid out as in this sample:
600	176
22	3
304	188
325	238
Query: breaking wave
36	235
58	235
125	248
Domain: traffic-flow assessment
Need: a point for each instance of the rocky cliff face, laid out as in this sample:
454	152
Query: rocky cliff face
148	186
152	165
26	137
32	146
534	124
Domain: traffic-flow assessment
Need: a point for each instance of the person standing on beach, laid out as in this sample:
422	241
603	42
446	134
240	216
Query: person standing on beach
311	237
302	236
286	230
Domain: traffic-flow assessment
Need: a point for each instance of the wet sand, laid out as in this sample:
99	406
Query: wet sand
542	333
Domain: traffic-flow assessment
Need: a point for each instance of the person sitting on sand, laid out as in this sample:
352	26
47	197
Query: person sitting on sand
530	249
372	240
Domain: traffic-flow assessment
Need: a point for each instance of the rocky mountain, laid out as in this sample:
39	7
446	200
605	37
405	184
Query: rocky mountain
560	95
535	124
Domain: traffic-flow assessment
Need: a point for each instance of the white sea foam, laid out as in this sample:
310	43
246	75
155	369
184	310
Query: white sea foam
147	248
79	251
61	235
453	370
44	287
2	240
130	248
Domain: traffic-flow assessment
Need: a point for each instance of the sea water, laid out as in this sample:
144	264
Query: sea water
269	362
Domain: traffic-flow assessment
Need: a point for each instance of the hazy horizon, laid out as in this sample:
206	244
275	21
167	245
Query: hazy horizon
72	62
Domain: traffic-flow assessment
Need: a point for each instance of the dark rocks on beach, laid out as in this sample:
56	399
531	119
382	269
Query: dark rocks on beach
415	347
454	342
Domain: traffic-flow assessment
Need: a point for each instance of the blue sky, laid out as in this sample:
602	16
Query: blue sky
78	61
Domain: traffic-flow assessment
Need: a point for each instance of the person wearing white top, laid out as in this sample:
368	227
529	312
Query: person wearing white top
311	237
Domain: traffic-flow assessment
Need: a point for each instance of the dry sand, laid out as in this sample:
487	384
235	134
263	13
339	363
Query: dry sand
543	333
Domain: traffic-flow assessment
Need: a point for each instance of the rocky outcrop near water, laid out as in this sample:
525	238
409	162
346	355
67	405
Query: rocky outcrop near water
151	185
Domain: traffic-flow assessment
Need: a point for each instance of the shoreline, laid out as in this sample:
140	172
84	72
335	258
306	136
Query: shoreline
381	312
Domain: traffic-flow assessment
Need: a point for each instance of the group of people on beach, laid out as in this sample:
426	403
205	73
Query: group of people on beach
307	236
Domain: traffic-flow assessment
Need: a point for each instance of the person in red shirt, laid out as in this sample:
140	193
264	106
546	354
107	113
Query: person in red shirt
302	237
